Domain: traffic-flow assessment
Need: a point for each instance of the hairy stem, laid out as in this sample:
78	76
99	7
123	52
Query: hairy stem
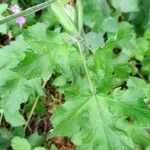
33	107
86	69
93	91
27	11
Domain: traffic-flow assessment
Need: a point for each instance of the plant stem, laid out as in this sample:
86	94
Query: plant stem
93	91
27	11
33	107
86	69
1	118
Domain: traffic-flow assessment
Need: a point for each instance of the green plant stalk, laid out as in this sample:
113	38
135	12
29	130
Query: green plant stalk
79	7
71	29
86	69
33	107
27	11
92	89
1	118
80	45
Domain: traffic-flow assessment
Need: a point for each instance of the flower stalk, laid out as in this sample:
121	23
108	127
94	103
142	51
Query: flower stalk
27	11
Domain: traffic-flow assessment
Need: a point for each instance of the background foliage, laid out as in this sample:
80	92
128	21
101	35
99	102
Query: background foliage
78	70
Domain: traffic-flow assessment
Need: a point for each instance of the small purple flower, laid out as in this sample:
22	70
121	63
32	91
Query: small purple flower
21	21
15	9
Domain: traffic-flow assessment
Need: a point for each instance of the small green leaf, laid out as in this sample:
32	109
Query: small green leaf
147	148
110	25
35	140
14	51
3	7
60	81
126	5
5	138
147	33
3	28
19	131
39	148
18	143
53	147
94	40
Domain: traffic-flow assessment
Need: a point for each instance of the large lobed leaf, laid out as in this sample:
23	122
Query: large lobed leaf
113	118
100	121
27	61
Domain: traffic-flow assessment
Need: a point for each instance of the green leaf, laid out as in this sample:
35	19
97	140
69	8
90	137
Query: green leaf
146	65
42	58
35	65
101	121
104	7
3	28
35	140
35	59
97	129
71	13
126	5
3	7
133	101
82	114
50	20
140	52
93	17
53	147
110	25
19	131
19	90
94	40
5	138
147	33
139	84
18	143
64	19
39	148
14	91
60	81
116	114
148	148
14	51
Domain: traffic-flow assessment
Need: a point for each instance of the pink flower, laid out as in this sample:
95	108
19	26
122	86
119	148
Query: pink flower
21	21
15	9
